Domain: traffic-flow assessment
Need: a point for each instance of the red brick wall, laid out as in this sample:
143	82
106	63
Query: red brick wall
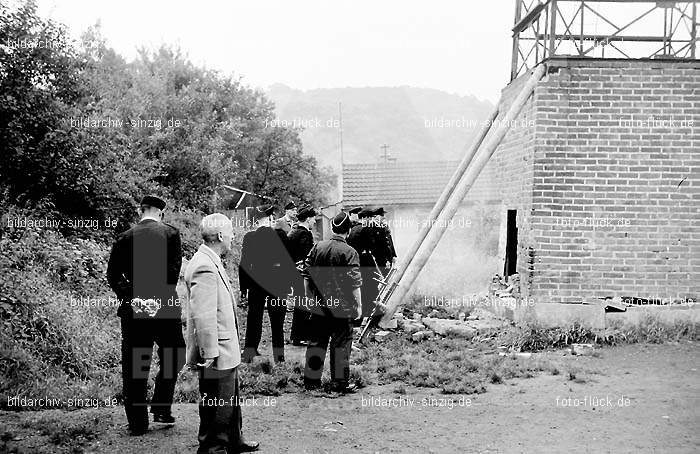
610	196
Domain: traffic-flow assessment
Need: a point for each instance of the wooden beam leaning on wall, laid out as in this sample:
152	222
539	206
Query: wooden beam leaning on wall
414	264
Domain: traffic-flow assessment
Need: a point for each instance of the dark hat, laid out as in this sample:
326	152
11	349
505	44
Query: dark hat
365	213
355	210
263	211
290	205
306	212
379	211
153	201
341	223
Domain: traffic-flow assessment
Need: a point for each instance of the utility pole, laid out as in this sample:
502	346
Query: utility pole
340	136
340	118
385	156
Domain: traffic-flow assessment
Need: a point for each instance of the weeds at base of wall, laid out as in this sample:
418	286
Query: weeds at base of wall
650	329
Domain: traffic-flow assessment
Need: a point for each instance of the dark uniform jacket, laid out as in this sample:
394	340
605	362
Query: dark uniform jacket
333	271
300	242
363	242
285	225
387	250
373	243
265	264
145	263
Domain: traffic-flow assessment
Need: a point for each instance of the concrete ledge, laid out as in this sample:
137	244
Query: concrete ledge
551	315
667	314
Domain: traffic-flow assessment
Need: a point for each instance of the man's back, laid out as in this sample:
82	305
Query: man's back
145	263
265	262
333	269
301	240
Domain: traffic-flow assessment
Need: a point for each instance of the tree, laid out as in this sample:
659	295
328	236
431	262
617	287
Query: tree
164	125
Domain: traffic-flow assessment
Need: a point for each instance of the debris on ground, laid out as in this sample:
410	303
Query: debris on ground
582	349
446	327
392	324
411	326
420	335
479	321
381	336
505	287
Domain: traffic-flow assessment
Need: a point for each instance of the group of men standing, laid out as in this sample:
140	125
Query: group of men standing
273	259
371	238
268	275
330	284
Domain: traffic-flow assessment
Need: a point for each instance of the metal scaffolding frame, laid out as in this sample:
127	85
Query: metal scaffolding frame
548	28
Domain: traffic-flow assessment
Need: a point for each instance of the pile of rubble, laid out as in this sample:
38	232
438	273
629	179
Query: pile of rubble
505	287
421	327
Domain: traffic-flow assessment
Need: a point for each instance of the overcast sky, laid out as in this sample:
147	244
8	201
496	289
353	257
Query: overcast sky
457	46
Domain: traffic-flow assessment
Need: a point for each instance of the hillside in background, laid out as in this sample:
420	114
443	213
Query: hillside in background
418	124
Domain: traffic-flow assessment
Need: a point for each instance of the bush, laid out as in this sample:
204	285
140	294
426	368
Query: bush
58	325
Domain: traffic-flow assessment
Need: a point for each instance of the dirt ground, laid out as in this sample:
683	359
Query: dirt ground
641	398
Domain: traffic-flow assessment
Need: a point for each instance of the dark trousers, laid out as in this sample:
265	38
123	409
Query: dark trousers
138	336
369	290
301	323
276	310
336	333
220	418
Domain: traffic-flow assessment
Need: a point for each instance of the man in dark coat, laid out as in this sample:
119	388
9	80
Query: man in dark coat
143	270
300	242
364	239
354	215
386	253
333	280
265	275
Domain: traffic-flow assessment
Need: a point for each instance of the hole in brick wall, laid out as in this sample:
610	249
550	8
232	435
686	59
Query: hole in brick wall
511	262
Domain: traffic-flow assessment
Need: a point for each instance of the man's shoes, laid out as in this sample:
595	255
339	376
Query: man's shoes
138	431
300	343
248	354
312	385
163	418
248	446
344	389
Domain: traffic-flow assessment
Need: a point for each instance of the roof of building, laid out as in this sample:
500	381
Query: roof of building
396	183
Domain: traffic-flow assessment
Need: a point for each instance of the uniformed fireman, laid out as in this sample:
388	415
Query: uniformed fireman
143	271
387	252
363	239
300	242
333	280
353	213
265	275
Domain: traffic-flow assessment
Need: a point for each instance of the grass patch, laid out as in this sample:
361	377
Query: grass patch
61	434
451	365
48	344
651	329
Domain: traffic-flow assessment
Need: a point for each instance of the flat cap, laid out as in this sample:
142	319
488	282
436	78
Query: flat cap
263	211
306	212
153	201
355	210
365	213
291	205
